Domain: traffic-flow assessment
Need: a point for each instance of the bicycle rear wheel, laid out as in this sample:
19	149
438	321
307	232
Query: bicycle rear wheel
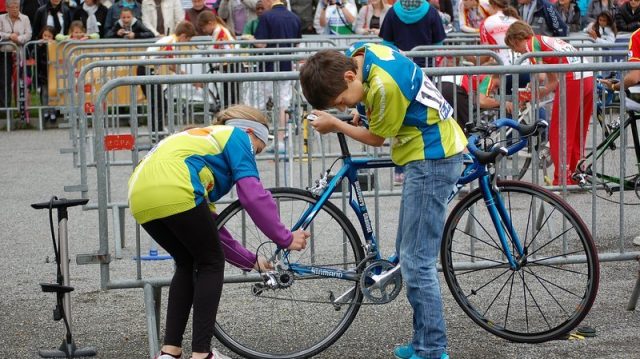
297	321
557	282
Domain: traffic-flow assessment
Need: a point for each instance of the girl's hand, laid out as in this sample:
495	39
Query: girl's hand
299	241
324	123
262	264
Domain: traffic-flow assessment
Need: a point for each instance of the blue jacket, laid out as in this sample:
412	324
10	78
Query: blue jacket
545	20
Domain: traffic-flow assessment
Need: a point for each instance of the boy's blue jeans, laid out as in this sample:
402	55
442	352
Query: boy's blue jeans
423	210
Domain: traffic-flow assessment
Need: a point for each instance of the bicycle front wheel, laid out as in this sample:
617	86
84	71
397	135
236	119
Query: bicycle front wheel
557	280
306	317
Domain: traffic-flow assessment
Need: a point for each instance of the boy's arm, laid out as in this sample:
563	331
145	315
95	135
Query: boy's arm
326	123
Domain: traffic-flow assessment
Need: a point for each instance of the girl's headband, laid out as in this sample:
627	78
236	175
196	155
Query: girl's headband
259	130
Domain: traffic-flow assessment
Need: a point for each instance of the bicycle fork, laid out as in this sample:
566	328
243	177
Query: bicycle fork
502	223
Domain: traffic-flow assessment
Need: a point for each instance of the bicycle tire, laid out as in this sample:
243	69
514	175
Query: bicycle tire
544	299
279	323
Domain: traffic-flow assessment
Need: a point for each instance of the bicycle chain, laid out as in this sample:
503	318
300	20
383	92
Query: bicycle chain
310	301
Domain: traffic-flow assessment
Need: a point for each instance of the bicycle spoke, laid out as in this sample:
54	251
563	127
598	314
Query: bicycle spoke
547	290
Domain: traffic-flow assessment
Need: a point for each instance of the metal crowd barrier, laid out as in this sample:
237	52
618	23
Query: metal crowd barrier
14	58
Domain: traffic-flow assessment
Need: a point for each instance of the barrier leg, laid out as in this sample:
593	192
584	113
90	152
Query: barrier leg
633	301
152	300
117	232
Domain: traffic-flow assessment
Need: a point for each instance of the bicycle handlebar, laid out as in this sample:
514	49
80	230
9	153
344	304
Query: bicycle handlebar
525	131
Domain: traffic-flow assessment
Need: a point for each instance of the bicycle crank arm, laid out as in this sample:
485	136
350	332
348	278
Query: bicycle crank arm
381	280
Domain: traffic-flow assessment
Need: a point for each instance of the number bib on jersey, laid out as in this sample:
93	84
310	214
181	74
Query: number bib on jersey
429	96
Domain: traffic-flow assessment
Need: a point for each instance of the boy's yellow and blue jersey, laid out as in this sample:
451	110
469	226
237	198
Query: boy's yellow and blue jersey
187	168
394	102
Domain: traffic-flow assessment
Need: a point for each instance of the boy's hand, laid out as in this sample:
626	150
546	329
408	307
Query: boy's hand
299	241
324	122
262	264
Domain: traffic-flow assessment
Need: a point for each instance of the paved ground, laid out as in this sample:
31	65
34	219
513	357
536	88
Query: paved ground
32	170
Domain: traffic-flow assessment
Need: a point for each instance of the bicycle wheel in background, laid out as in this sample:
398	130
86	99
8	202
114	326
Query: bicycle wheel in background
557	282
607	170
297	321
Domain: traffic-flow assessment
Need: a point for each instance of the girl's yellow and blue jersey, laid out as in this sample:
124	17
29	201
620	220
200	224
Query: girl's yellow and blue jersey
396	93
187	168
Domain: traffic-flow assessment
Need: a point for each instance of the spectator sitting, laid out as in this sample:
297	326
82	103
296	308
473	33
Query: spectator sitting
93	16
371	16
471	15
16	29
77	32
236	13
54	13
337	17
191	15
162	16
604	30
570	14
596	7
628	16
251	26
113	15
543	17
128	27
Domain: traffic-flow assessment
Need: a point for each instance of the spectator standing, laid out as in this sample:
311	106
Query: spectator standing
579	92
596	7
494	28
191	15
15	28
603	30
29	8
543	17
316	17
570	14
162	16
113	15
93	16
129	27
54	13
42	69
337	17
628	16
371	16
471	15
304	10
446	6
446	19
250	27
236	13
279	23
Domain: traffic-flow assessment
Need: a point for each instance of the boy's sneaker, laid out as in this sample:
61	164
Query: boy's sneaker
406	352
216	355
163	355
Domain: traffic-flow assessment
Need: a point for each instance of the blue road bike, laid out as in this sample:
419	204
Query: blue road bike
518	259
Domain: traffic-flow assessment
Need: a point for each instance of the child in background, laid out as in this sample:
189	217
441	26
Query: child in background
603	30
128	27
42	67
471	15
77	32
251	26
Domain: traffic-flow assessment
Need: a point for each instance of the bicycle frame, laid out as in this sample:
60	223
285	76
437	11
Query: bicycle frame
473	170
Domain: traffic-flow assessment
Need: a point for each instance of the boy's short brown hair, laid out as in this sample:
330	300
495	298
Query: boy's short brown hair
322	77
186	28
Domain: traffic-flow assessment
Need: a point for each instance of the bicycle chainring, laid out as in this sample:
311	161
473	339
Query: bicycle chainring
636	186
373	290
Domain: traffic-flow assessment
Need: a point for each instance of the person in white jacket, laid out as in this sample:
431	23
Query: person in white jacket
370	17
162	16
603	30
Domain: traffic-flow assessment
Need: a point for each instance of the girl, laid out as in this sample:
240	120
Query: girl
42	69
172	194
603	30
471	15
370	17
520	38
77	32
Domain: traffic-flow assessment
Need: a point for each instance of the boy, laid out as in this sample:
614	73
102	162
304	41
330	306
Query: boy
129	27
402	103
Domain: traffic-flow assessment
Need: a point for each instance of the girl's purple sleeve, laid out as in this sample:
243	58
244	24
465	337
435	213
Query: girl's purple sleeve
263	211
234	252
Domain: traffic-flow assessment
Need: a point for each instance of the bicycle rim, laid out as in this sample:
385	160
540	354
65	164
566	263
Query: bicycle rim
290	322
555	287
607	168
